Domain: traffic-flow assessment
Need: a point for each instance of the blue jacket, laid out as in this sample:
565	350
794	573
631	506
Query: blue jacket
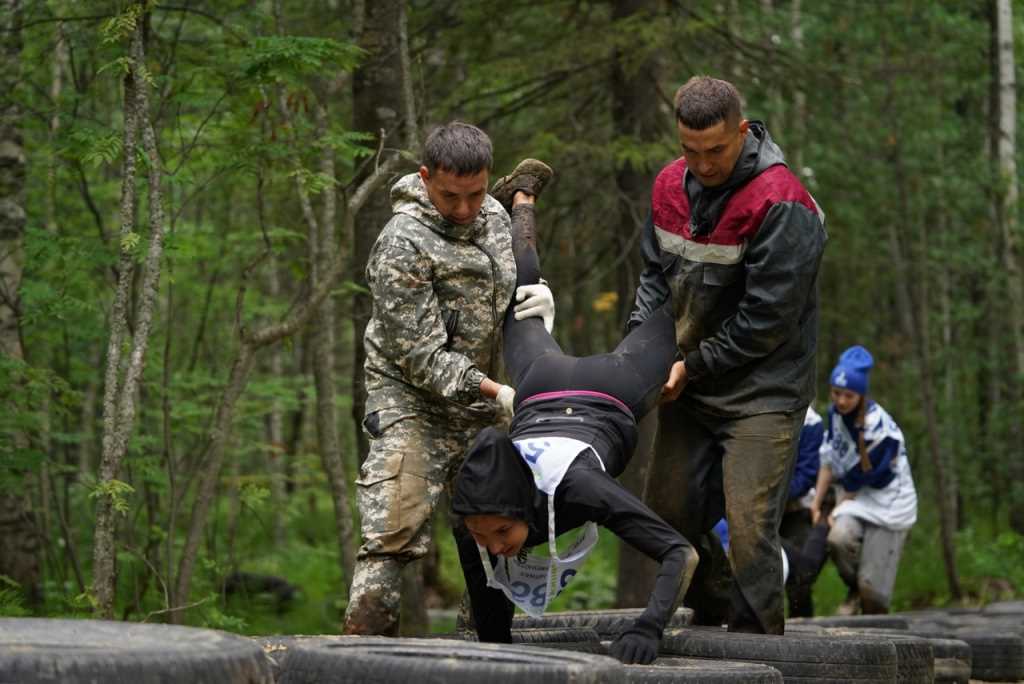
805	473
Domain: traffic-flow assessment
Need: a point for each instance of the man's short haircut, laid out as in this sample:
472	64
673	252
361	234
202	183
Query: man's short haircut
703	101
458	148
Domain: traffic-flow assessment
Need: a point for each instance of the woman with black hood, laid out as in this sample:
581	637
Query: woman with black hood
573	431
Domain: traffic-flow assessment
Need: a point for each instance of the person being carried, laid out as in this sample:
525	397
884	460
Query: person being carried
864	451
573	431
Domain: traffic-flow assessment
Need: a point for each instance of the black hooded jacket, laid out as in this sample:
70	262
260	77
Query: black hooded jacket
739	263
494	480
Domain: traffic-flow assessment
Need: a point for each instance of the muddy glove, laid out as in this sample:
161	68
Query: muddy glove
506	395
536	300
638	644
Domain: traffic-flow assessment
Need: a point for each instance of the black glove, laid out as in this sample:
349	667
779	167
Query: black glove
638	644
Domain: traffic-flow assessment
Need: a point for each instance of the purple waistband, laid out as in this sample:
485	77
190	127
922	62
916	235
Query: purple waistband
545	396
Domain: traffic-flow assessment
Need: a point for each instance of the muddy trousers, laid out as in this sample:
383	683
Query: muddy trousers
707	466
411	463
867	557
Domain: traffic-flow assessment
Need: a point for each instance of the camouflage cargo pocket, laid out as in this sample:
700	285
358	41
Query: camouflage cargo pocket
379	491
374	424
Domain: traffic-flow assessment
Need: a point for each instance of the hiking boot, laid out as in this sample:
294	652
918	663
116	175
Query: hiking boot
529	176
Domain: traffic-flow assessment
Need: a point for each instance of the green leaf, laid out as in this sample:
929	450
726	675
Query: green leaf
115	490
278	58
129	241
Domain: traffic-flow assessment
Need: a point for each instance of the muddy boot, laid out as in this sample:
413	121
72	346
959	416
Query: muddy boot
529	176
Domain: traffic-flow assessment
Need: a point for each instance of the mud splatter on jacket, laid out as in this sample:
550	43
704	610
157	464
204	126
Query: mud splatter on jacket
439	295
740	264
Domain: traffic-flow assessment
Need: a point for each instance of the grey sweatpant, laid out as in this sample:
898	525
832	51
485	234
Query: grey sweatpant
867	557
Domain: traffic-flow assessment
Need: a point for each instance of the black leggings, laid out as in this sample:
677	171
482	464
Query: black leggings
634	373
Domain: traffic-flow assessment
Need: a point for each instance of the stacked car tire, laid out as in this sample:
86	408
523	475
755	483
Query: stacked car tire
958	645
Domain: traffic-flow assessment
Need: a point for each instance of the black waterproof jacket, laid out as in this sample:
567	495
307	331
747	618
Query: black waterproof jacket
740	264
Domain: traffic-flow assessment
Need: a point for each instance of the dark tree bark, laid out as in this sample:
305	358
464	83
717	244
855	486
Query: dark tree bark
635	113
381	106
19	542
912	325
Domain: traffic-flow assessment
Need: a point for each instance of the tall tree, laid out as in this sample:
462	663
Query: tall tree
637	120
382	107
119	405
19	540
1007	211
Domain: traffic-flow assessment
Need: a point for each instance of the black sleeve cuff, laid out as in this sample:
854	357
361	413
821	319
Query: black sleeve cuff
695	366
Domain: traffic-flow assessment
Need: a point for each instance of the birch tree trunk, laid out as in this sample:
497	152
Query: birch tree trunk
120	394
1007	211
19	543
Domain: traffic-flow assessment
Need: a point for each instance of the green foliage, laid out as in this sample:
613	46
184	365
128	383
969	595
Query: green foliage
313	183
893	132
92	146
116	491
274	59
11	601
122	25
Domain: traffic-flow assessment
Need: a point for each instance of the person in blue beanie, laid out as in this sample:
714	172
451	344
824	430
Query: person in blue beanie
865	453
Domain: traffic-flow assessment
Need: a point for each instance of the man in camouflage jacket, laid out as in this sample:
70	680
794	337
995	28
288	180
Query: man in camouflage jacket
442	275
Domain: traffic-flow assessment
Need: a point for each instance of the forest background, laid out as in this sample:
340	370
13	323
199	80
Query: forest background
189	189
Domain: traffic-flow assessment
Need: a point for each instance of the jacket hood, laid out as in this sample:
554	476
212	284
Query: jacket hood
409	197
758	154
494	479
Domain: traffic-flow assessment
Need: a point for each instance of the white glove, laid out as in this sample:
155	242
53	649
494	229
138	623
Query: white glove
506	395
536	300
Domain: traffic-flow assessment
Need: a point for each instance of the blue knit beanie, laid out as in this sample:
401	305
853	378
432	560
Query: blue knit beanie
852	370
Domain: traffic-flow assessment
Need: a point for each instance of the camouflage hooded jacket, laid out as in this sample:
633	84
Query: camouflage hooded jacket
440	291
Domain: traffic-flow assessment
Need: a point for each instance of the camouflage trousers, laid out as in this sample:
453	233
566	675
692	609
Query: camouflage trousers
412	461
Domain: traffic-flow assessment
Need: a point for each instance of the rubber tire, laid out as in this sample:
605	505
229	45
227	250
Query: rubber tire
915	658
376	660
995	656
36	650
855	621
952	660
1005	608
799	657
541	635
278	647
951	657
673	670
607	623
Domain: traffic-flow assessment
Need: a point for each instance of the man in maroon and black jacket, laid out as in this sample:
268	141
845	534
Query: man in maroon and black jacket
734	240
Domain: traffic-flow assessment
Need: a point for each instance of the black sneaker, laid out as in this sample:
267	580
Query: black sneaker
529	176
